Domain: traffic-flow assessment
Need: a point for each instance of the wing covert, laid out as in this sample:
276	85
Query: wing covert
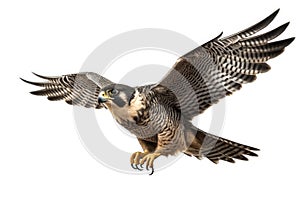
218	68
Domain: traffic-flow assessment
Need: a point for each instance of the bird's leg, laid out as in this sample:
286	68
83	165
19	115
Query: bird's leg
148	160
136	157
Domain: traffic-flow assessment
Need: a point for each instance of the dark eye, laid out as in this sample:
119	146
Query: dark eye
113	92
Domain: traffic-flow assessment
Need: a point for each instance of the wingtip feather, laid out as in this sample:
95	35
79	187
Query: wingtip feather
290	40
273	15
44	77
23	80
42	92
33	83
276	12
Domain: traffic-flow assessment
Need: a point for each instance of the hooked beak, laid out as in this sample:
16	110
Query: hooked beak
103	97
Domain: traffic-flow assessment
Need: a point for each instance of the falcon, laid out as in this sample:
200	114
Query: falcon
160	115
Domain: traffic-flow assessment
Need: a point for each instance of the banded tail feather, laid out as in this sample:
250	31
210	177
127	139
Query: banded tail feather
217	148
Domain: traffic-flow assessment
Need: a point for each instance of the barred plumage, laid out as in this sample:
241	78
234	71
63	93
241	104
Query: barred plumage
222	65
77	89
160	115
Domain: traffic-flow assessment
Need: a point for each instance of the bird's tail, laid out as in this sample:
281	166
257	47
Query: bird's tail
216	148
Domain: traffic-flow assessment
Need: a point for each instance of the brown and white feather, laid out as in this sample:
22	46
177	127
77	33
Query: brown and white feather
218	68
80	89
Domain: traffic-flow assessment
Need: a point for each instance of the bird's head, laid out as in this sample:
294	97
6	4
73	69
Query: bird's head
116	96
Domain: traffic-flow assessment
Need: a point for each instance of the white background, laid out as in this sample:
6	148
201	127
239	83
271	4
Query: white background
40	152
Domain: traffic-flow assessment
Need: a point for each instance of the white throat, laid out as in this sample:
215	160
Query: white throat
128	112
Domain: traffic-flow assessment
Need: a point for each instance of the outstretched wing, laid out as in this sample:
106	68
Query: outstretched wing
80	89
220	67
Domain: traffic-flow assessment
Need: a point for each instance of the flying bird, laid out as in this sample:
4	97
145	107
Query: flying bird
160	114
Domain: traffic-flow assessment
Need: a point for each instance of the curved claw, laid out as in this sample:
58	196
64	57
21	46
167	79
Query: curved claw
152	172
136	167
133	167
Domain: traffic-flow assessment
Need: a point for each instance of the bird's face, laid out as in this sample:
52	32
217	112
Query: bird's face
116	98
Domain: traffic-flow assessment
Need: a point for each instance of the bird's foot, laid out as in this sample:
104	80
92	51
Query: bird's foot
148	161
135	159
138	159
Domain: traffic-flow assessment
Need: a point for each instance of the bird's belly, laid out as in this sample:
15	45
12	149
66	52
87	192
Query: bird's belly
140	131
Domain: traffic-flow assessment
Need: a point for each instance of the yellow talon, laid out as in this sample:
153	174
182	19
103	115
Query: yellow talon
136	158
149	160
